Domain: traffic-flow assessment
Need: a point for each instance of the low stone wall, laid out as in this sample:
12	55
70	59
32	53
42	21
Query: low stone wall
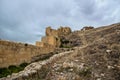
12	53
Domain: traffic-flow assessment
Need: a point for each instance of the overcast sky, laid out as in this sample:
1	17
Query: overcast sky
26	20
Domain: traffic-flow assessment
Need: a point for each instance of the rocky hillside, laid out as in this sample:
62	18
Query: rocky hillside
95	56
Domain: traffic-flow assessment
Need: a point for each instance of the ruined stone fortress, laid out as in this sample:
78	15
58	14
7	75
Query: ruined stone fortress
13	53
52	37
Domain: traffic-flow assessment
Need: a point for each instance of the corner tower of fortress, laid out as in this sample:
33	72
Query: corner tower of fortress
52	37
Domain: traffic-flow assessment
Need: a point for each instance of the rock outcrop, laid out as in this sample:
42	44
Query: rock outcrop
87	28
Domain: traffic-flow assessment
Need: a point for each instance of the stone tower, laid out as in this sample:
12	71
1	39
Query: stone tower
52	37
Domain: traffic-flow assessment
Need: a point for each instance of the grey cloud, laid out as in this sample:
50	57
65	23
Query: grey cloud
25	20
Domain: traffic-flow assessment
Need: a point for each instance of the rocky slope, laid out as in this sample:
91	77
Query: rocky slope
96	57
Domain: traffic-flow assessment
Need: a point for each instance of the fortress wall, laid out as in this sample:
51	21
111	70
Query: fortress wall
12	53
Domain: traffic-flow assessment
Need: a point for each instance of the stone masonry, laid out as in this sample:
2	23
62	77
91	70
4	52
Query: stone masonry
12	53
53	36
